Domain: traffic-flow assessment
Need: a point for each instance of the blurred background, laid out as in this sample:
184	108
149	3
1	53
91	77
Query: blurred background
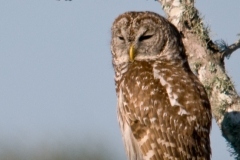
57	93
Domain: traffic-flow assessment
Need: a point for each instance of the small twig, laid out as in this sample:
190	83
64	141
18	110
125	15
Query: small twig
230	49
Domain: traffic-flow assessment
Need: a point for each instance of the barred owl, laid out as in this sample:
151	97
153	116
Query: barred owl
163	110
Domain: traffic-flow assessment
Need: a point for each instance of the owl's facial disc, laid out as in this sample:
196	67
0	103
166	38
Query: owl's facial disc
137	38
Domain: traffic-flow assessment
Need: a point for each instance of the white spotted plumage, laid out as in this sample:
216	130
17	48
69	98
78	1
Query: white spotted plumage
163	109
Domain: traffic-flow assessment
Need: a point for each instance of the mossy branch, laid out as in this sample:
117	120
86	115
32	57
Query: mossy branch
207	62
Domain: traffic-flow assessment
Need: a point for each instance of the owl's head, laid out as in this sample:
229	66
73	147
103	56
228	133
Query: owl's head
144	36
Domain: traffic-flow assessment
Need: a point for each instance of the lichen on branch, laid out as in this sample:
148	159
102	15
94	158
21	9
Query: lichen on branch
206	60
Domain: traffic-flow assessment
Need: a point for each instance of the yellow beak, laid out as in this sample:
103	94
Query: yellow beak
131	53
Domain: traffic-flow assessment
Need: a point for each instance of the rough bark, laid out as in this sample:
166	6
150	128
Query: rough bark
207	62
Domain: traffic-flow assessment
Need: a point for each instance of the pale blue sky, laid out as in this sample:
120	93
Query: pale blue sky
56	76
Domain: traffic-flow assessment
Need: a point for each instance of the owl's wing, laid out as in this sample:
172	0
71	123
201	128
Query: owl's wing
131	145
167	113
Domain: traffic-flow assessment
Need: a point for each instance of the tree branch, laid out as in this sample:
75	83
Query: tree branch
205	59
230	49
